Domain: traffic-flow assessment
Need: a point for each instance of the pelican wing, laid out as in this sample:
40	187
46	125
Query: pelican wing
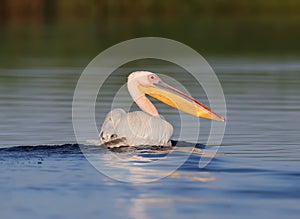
134	128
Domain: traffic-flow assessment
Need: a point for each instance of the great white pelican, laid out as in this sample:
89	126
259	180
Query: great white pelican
146	127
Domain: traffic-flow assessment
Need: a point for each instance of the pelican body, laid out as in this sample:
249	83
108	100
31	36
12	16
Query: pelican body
146	127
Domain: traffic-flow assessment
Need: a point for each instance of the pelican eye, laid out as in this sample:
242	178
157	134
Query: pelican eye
152	77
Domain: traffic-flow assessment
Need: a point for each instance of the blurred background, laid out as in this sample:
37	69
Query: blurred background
72	32
45	45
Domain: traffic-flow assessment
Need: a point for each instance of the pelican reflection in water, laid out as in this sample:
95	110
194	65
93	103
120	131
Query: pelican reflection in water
146	127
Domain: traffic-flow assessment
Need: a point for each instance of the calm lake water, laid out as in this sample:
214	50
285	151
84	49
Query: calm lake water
256	173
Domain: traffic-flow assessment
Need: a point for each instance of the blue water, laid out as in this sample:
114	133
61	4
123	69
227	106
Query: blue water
256	173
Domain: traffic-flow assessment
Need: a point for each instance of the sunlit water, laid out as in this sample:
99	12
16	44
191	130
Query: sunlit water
255	173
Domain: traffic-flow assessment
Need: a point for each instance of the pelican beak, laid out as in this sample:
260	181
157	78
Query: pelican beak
179	100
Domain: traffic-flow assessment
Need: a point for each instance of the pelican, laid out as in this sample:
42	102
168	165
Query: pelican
146	127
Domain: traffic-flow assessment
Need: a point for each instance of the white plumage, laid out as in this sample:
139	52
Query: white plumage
134	128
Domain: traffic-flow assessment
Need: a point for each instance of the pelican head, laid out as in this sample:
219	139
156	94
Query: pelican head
141	83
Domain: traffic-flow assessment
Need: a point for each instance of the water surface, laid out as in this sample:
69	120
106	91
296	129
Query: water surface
256	173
